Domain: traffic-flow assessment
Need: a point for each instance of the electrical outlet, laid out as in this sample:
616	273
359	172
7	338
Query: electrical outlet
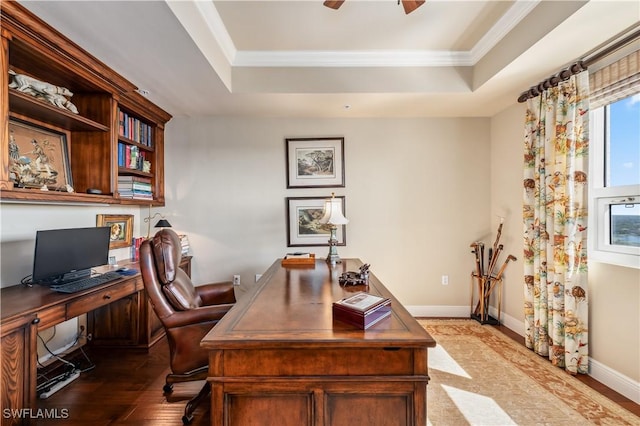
236	280
445	280
258	276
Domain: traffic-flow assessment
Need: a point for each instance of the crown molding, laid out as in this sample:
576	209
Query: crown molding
383	58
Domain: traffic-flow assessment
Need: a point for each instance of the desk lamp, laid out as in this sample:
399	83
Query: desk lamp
333	217
162	223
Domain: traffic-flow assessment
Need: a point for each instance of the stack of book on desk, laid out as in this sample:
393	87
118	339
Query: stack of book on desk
362	309
299	259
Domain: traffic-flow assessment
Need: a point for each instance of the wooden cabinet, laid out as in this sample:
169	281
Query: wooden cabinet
118	314
128	321
32	48
18	336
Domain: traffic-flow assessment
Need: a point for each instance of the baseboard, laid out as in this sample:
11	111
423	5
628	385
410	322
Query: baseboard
618	382
439	311
62	352
607	376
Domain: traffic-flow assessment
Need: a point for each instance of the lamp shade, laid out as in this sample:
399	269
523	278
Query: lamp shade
163	223
333	212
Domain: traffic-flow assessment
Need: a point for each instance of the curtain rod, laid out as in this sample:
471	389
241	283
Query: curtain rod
577	67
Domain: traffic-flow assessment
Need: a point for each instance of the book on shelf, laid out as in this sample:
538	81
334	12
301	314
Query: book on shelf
362	309
136	196
131	157
135	248
134	129
184	243
130	178
135	186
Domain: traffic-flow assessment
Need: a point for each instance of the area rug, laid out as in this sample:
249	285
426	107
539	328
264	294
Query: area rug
479	376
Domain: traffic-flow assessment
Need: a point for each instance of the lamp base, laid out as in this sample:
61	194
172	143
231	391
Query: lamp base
333	259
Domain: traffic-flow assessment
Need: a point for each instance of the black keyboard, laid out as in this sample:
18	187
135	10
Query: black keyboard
86	283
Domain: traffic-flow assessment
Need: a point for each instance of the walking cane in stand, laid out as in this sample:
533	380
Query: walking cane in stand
495	243
498	277
475	251
486	280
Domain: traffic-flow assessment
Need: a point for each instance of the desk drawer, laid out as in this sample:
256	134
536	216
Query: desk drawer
51	316
320	362
100	298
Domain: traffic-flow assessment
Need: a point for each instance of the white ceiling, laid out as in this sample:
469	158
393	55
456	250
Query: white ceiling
301	59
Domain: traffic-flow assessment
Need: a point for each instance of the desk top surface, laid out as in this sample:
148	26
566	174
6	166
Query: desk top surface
292	306
20	299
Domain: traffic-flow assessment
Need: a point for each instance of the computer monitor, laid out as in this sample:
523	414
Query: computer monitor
64	255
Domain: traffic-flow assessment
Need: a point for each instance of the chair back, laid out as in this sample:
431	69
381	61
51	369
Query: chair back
168	286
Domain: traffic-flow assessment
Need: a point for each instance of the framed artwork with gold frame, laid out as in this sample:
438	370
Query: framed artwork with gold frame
121	229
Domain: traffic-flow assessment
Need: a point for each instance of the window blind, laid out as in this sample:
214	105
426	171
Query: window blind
615	81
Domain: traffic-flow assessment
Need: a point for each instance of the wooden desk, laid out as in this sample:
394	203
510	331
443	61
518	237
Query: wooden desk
118	313
279	358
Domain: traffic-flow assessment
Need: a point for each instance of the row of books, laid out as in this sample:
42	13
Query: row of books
134	129
184	242
137	241
131	157
137	187
135	248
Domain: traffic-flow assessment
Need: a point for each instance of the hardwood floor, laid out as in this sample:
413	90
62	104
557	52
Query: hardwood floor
125	388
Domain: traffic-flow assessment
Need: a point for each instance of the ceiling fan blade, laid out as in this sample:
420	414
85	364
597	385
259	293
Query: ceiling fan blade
410	5
335	4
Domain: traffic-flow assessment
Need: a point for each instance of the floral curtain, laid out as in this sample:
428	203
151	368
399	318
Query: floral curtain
555	219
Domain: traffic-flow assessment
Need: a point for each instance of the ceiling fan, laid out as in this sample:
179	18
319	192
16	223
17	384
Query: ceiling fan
409	5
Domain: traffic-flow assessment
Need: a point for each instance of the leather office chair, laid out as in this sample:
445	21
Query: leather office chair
187	312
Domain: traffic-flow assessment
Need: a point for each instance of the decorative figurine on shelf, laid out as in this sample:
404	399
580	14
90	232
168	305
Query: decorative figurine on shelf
55	95
356	278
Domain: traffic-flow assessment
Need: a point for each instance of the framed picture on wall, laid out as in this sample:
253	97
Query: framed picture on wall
121	229
303	222
39	157
315	162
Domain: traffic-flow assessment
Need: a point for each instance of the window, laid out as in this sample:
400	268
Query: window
614	230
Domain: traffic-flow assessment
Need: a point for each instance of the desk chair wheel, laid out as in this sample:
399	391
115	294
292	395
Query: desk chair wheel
167	388
186	420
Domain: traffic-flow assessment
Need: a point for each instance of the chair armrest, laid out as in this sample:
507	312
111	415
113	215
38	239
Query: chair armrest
216	293
212	313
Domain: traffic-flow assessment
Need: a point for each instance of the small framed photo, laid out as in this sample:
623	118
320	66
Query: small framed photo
315	162
121	229
303	222
39	157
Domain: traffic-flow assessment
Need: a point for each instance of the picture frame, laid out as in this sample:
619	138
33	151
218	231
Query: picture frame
39	157
315	162
303	226
121	229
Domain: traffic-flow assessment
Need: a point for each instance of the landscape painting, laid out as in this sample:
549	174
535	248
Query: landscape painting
315	162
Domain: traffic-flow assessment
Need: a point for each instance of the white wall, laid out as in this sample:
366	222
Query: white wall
19	223
417	194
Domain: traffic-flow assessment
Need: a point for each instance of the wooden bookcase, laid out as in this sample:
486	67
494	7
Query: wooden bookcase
31	47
